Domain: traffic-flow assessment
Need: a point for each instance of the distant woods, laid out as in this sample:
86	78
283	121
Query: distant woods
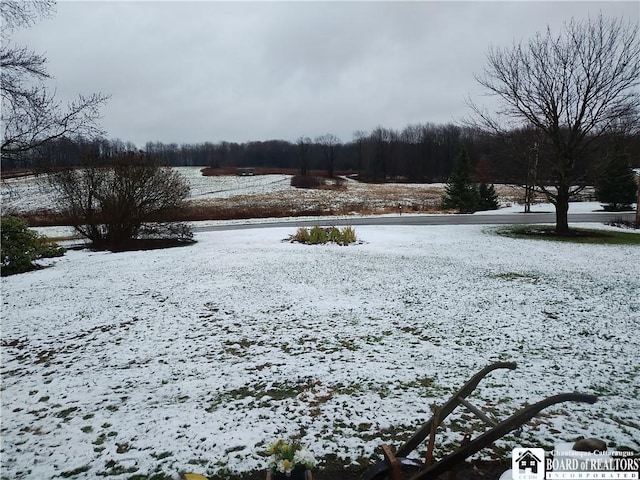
422	153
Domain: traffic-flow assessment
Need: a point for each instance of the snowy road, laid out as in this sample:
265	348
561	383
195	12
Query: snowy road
416	220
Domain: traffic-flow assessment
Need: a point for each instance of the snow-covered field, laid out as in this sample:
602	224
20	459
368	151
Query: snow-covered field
30	193
24	194
218	187
196	358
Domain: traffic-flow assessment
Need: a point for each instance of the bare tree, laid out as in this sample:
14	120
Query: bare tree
575	88
16	13
360	139
329	141
31	116
303	144
116	200
411	145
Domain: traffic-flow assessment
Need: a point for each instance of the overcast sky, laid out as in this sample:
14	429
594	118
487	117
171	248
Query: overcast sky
191	72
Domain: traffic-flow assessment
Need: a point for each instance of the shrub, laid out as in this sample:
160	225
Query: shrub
334	235
319	235
112	201
21	247
301	236
307	181
348	235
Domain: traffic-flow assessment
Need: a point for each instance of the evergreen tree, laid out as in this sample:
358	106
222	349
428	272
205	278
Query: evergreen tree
461	193
488	197
616	186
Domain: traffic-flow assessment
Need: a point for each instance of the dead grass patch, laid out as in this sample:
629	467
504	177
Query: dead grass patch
342	198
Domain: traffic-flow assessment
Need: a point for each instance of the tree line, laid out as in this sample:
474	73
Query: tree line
423	153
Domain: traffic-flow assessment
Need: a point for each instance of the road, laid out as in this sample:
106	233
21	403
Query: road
450	219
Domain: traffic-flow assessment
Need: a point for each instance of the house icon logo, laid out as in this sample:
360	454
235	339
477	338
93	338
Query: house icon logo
527	464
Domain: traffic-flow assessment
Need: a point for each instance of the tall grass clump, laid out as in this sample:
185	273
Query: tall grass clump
348	235
320	235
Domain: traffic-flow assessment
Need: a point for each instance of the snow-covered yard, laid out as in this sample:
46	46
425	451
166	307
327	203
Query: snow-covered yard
196	358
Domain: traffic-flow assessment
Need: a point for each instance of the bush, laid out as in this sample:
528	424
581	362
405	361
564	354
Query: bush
113	201
301	236
21	247
307	181
348	235
333	234
319	235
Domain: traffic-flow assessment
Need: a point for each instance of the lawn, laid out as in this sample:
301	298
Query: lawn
196	358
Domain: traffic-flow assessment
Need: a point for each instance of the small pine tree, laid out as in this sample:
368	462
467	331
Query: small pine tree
460	192
616	187
488	197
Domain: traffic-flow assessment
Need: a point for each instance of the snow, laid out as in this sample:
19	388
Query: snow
197	358
31	192
217	187
543	207
24	194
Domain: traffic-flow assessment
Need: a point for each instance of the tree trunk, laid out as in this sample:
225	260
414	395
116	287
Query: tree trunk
528	198
562	210
638	203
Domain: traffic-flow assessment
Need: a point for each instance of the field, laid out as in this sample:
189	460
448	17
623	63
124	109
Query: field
227	197
196	358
